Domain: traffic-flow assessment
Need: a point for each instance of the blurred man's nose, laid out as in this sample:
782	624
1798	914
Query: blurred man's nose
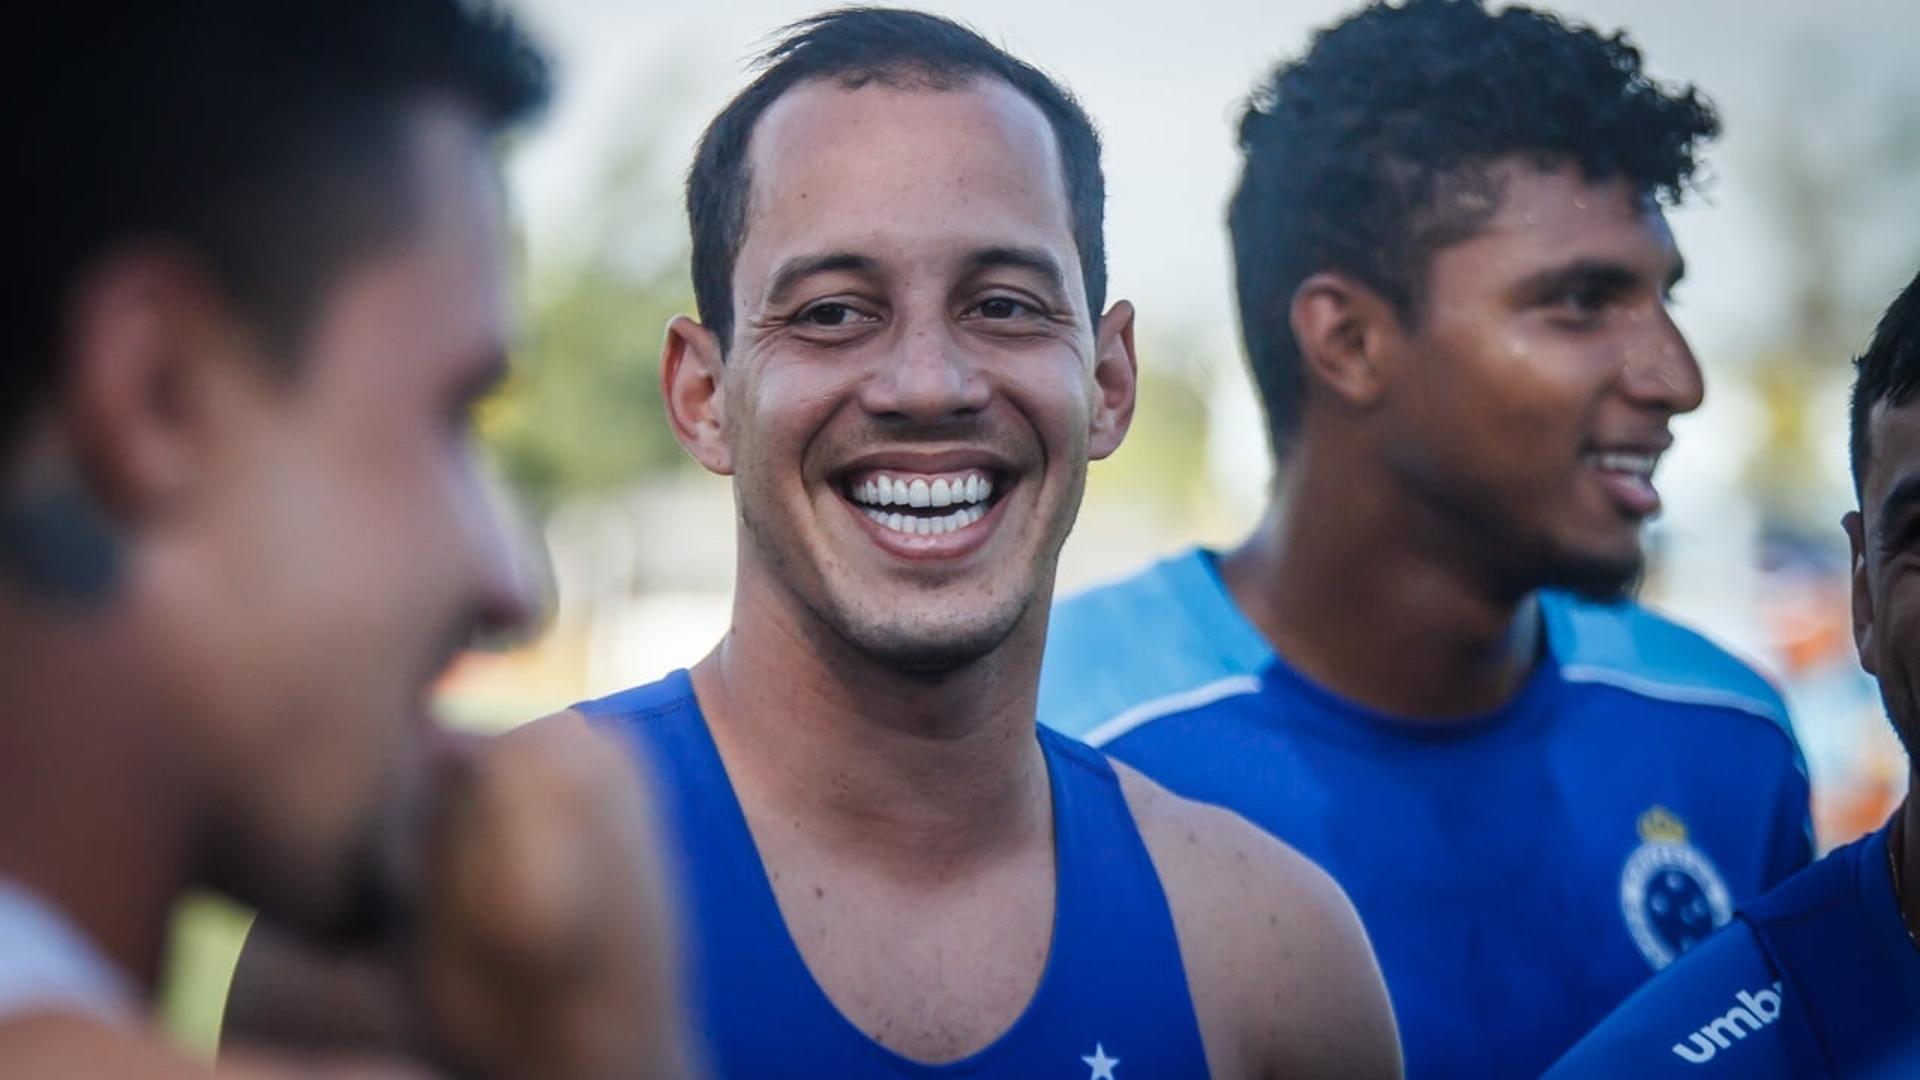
1660	370
508	579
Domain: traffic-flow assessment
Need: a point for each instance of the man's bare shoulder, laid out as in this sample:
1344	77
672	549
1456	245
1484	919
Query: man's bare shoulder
1281	973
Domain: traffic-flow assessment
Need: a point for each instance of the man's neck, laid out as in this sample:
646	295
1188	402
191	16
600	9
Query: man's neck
917	774
97	818
1338	584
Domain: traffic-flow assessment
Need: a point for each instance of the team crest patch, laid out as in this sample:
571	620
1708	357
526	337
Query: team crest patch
1670	892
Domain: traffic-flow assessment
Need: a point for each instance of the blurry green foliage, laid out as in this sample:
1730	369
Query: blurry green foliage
1164	458
581	411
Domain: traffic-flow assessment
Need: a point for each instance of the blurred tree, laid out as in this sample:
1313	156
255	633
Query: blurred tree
581	411
1831	188
1163	462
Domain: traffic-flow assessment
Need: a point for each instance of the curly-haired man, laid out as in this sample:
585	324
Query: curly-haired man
1420	670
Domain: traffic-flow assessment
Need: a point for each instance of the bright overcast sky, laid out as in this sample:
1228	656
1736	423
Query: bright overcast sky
1163	82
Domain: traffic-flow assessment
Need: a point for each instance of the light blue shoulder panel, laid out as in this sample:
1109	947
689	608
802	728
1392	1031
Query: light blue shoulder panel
1168	630
1627	646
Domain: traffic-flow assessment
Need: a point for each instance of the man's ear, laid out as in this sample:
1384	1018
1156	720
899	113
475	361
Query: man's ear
1862	589
1116	375
1344	329
143	335
692	383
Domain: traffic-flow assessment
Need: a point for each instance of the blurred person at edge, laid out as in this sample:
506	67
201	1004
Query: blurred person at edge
1422	669
1821	976
256	288
903	365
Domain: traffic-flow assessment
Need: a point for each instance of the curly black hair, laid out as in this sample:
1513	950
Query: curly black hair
1349	148
1888	371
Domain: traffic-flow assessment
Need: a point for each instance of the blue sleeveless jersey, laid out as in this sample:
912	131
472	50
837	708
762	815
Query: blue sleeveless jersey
1111	1003
1518	873
1816	979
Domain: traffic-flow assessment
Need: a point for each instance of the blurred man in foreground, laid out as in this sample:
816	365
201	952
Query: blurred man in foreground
255	289
1420	670
902	364
1821	976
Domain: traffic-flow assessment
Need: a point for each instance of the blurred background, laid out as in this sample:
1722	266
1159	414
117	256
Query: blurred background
1804	232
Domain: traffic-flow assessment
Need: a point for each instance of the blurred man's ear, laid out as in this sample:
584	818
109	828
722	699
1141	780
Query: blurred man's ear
120	439
150	345
1862	590
1116	374
692	384
1345	331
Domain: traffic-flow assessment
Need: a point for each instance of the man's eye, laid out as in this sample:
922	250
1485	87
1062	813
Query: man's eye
828	315
1003	307
1583	301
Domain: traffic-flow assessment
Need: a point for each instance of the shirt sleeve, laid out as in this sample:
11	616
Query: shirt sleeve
1714	1013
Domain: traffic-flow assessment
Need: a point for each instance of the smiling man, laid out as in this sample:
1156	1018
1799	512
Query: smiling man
1821	976
1421	669
903	365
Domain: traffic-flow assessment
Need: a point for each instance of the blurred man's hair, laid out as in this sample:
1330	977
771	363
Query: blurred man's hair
855	47
266	141
1357	153
1889	371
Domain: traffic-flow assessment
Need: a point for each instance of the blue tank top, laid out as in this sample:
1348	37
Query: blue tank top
1112	1002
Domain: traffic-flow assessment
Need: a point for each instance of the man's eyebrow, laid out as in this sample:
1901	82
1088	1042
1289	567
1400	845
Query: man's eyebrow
801	267
1602	274
1037	259
1904	495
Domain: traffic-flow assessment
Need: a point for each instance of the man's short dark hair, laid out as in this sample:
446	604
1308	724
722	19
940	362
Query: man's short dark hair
264	140
1350	148
1889	371
855	47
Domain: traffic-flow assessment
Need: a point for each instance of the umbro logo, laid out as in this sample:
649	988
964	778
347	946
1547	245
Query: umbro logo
1751	1012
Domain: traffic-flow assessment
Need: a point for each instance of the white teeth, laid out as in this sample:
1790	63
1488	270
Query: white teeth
1626	462
914	525
939	493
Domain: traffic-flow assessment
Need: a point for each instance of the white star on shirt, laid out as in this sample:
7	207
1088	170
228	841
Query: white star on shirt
1100	1063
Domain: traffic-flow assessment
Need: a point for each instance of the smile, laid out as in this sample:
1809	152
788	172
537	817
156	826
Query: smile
1636	464
922	504
1626	475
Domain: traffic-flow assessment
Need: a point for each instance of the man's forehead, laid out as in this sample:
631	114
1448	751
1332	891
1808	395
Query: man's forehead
827	155
1556	209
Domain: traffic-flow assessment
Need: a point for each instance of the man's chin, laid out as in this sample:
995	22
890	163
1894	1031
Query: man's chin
931	651
373	903
1604	580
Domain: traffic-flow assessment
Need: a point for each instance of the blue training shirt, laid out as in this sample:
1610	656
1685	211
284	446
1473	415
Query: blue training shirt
1816	979
1518	873
1112	1001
